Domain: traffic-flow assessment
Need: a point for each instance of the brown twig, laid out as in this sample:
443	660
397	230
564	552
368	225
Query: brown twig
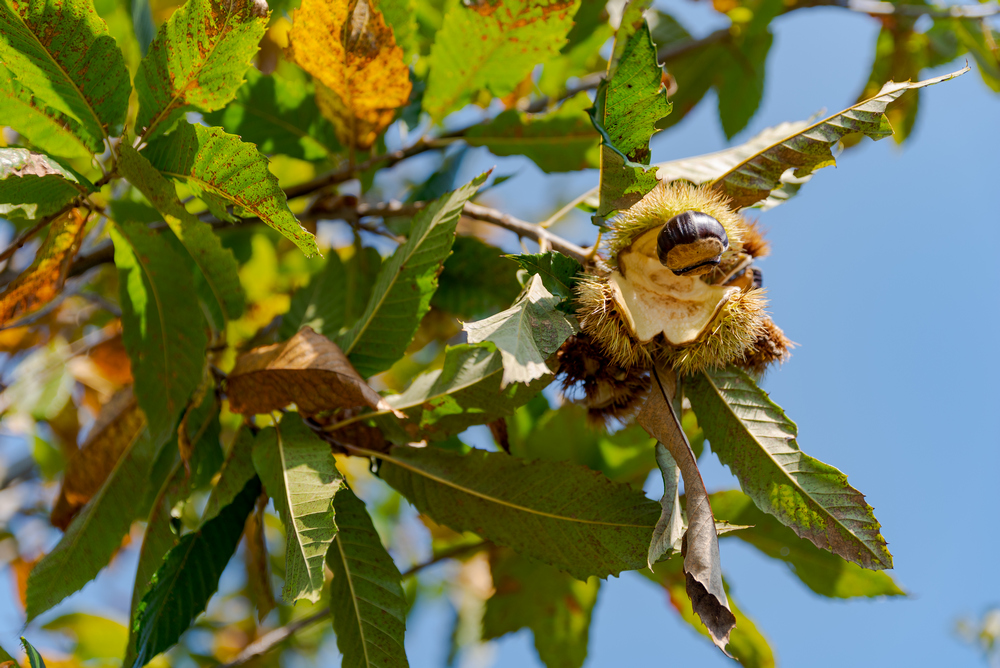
34	229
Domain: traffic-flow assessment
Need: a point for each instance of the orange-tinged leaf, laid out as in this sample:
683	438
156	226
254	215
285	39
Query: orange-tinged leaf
111	360
118	425
308	370
21	569
361	78
41	282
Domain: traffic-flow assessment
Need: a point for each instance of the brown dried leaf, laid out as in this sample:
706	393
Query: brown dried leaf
111	360
702	565
255	558
118	425
41	282
308	370
361	78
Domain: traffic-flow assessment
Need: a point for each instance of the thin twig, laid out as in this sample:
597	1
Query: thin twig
34	229
525	229
269	640
877	8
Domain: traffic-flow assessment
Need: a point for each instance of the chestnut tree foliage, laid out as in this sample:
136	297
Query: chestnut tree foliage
236	334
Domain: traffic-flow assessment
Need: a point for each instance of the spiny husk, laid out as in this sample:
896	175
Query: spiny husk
738	328
664	202
600	319
754	243
770	347
609	392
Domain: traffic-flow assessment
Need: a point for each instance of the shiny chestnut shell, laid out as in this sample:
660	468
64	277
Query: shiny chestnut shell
691	243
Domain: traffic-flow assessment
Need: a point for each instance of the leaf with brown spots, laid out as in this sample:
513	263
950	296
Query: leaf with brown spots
492	45
41	125
308	370
197	60
222	166
41	282
33	185
360	75
118	425
62	52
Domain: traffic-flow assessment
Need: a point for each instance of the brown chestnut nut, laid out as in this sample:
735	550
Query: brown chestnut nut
691	243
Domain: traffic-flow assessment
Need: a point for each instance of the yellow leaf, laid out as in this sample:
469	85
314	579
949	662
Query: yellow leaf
118	425
42	281
308	370
360	75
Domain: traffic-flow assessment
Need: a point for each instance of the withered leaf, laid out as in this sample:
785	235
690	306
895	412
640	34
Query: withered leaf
42	281
361	78
308	370
702	564
120	422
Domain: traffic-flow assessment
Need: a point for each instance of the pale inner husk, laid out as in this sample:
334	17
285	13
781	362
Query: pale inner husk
654	300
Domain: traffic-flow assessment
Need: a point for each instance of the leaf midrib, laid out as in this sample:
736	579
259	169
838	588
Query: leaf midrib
159	311
291	510
192	80
787	475
45	50
389	458
828	119
400	268
354	597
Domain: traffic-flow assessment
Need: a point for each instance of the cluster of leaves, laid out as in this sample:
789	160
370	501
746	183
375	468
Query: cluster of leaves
178	316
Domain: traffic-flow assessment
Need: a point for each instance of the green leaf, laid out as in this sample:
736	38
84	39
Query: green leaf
464	392
558	141
741	83
477	280
41	125
279	114
746	643
197	61
494	46
190	574
401	16
708	167
560	273
900	55
366	595
824	573
556	607
217	264
218	164
163	328
526	333
33	185
752	436
96	533
96	640
336	296
627	108
64	55
405	284
299	474
203	431
34	658
236	473
753	179
564	515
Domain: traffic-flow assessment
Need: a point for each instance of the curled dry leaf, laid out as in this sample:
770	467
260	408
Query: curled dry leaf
118	425
308	370
361	78
702	564
42	281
